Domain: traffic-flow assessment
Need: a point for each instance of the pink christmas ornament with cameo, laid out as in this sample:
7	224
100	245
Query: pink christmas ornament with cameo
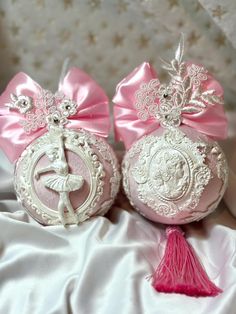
65	172
174	172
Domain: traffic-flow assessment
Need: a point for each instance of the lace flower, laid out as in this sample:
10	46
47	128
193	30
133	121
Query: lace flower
197	74
56	119
146	99
21	103
33	121
68	107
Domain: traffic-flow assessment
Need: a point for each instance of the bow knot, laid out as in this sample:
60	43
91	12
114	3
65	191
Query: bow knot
27	110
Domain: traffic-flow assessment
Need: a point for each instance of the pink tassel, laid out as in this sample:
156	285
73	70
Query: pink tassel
180	270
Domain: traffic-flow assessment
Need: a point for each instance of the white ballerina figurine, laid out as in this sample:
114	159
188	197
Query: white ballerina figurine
62	181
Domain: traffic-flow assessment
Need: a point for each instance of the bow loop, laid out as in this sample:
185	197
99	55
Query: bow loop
128	127
92	102
27	110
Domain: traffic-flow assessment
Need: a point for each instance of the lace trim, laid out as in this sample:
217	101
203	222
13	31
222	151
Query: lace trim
182	95
47	109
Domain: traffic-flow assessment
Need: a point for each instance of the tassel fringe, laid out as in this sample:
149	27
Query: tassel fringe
180	270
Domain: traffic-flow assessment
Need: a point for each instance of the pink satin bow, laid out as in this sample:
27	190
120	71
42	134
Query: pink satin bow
92	114
128	127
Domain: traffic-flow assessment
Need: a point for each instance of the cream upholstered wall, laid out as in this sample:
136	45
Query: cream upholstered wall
108	38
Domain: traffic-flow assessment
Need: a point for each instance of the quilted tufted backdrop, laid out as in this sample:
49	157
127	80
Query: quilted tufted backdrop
109	38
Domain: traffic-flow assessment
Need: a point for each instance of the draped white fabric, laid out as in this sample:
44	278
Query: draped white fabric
104	265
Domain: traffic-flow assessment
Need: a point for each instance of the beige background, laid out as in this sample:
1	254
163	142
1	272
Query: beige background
108	38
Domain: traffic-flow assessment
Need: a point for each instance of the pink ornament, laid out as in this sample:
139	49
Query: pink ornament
173	171
65	171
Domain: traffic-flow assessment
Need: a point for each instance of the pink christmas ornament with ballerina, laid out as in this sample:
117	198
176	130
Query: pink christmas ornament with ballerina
65	171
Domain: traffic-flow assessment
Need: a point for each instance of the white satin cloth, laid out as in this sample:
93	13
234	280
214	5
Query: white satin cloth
103	266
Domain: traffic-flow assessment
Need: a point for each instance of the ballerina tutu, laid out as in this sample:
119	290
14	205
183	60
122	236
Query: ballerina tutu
61	183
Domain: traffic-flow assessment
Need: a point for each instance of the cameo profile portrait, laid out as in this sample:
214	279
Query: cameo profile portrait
170	178
170	172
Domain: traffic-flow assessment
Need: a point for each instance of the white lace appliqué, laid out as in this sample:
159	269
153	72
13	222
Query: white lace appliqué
21	103
146	98
47	109
183	94
170	173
